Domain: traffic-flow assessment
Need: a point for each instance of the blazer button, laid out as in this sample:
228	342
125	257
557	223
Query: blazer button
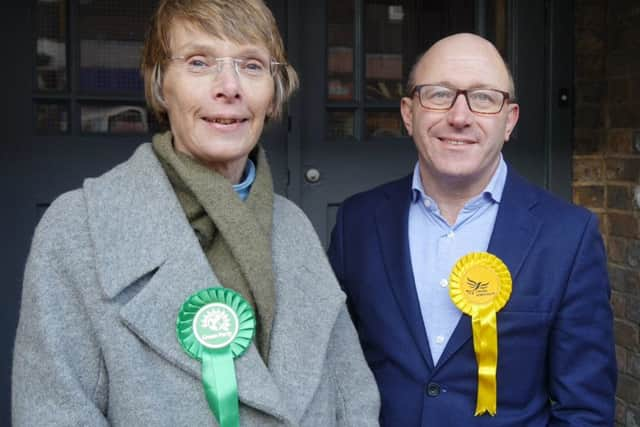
433	389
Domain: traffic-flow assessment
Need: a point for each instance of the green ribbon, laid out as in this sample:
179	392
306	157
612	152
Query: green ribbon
214	326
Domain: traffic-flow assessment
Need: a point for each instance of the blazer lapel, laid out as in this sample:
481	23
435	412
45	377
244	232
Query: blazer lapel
514	233
153	255
392	227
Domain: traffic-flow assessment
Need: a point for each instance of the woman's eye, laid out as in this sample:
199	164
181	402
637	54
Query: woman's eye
198	63
253	65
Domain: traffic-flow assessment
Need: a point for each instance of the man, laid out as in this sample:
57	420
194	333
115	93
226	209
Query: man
393	249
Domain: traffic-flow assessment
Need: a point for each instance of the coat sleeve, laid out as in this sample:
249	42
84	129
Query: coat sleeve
582	363
359	401
357	393
58	376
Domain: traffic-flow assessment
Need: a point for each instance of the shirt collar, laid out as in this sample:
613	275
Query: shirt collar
493	190
243	187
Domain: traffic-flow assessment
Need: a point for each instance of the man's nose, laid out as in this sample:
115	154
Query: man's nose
459	115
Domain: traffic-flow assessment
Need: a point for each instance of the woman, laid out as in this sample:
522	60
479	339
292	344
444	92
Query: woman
112	263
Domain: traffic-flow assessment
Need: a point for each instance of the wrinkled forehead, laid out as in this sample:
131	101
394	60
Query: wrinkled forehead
187	32
463	63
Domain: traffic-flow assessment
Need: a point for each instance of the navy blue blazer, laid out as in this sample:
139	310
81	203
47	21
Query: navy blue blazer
556	362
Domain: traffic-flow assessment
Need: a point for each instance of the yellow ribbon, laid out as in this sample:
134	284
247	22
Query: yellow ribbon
480	285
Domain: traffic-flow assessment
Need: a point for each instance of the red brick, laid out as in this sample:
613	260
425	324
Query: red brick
590	66
623	169
617	65
590	92
633	365
619	91
628	389
626	335
623	225
632	309
617	250
588	141
625	115
621	358
621	411
619	306
633	417
619	197
625	280
619	141
588	169
588	117
591	196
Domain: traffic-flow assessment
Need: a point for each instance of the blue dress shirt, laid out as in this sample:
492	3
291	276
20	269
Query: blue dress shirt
435	246
242	188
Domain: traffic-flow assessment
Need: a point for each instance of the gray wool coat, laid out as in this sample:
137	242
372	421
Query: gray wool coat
110	266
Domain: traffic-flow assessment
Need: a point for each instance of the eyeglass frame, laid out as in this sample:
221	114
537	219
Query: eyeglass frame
506	98
223	60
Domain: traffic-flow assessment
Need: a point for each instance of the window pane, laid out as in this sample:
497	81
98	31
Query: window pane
111	38
340	124
340	50
383	49
51	118
51	47
384	124
115	119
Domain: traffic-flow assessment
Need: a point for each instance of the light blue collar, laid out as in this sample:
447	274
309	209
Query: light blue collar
243	187
493	190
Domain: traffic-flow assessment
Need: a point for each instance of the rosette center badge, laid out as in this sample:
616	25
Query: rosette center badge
215	325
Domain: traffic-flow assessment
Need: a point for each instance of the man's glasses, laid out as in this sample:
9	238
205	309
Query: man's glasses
442	98
244	67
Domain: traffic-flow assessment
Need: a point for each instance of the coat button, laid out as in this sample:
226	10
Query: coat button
433	389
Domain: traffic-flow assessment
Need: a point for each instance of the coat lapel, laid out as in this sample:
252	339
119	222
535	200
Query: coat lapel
153	255
392	218
514	233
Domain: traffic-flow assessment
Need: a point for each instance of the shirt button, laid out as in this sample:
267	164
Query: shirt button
433	389
439	339
444	283
427	203
451	235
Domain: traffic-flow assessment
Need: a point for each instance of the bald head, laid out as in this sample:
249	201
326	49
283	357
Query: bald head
466	54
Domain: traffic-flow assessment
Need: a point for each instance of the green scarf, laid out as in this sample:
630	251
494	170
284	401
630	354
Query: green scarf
235	235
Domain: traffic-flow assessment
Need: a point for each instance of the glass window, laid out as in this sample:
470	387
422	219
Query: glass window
383	49
87	78
111	37
51	46
372	45
115	118
384	124
51	118
340	124
340	51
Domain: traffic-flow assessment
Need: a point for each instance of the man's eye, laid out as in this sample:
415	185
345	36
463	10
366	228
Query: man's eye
440	94
483	97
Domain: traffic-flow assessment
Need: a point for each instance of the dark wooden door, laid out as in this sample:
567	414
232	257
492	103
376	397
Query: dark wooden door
354	59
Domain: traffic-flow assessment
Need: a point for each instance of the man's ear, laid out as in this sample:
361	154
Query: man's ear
512	120
406	110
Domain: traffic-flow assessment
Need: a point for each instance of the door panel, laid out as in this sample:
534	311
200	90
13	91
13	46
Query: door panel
351	162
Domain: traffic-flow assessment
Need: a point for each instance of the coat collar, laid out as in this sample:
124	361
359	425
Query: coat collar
146	248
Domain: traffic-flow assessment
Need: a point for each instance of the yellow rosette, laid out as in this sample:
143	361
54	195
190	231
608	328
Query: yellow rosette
480	285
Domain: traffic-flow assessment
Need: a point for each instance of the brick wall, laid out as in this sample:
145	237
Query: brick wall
606	166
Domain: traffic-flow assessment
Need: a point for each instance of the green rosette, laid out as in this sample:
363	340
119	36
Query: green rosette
214	326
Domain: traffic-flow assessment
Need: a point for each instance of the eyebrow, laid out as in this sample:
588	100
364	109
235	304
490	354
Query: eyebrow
471	87
190	48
